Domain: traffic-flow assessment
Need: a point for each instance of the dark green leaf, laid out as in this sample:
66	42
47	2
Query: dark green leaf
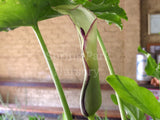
27	13
110	18
111	2
61	2
108	10
151	68
97	1
131	93
114	9
79	1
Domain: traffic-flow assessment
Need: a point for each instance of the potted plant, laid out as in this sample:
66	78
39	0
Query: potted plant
132	100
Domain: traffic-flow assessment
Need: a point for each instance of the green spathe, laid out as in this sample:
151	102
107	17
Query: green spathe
85	22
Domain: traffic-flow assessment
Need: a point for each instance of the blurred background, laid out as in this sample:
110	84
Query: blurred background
24	75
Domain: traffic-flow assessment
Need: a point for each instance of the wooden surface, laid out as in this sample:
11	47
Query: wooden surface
149	86
152	44
48	85
64	85
53	110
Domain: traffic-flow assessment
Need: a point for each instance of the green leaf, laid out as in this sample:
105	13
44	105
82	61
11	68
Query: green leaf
133	112
131	93
112	2
151	68
106	2
110	18
15	13
27	13
114	9
61	2
33	118
108	10
36	118
79	1
114	99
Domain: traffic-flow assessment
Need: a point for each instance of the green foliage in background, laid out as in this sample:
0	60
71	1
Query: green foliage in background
36	118
152	68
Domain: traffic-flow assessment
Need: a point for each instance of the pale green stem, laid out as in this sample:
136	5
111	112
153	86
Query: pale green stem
53	72
91	117
111	70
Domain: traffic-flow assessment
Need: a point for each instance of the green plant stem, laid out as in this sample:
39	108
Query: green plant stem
91	117
111	70
53	72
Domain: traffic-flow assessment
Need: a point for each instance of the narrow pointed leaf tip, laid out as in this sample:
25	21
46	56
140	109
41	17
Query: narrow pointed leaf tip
131	93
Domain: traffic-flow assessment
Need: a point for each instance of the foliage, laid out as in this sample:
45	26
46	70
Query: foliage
132	94
133	113
14	115
25	12
11	117
152	68
108	10
84	13
36	118
28	13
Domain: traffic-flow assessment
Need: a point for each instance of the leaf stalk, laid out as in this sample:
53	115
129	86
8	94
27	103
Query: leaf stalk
53	72
111	70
